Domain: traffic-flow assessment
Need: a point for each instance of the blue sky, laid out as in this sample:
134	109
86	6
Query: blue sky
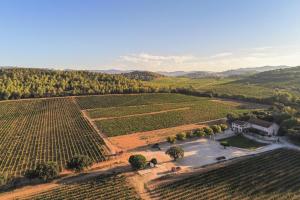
149	34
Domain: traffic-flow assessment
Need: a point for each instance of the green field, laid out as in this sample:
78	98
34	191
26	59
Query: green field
242	142
102	187
189	109
274	175
228	86
35	131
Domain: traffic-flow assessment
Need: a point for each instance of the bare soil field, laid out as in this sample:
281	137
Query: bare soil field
136	140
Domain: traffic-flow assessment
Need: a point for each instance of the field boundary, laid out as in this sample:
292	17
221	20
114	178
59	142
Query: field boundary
143	105
110	147
141	114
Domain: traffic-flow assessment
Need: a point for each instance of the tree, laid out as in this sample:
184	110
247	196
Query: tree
175	152
44	171
180	136
208	131
171	139
189	134
216	128
31	174
223	127
199	132
224	144
78	163
137	161
287	124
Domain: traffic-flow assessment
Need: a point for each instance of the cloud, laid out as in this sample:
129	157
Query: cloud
144	57
252	57
224	54
155	62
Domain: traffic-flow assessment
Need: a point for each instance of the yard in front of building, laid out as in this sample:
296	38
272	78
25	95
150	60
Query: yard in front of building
241	141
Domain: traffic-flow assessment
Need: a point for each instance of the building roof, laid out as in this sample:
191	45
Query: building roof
260	122
240	123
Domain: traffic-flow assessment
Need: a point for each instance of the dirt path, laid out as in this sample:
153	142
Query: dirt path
141	114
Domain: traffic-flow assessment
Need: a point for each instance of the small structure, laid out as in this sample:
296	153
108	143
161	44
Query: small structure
258	126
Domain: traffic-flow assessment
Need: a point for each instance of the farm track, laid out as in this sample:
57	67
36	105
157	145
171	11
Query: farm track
141	114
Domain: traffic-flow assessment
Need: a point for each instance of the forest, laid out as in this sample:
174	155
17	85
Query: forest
16	83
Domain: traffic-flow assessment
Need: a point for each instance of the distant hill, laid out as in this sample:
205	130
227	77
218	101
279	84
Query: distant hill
175	73
235	72
111	71
251	70
142	75
202	74
287	78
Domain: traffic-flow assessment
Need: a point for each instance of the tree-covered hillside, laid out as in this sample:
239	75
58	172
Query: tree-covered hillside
142	75
18	83
288	79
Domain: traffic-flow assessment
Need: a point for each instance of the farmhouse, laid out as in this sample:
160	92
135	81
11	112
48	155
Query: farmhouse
255	125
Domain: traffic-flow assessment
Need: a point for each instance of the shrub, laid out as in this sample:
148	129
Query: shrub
171	139
189	134
200	134
137	161
208	131
46	171
78	163
175	152
180	136
225	144
223	127
153	161
216	128
31	174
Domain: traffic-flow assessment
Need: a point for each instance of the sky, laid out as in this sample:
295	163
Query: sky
155	35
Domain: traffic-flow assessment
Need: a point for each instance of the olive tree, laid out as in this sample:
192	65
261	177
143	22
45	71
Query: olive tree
137	161
171	139
223	127
78	163
216	128
175	152
180	136
44	171
208	131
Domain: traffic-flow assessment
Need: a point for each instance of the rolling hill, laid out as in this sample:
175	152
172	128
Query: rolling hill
142	75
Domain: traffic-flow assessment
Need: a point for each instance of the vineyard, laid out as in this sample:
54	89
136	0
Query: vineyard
133	110
194	112
274	175
124	114
104	101
102	188
35	131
